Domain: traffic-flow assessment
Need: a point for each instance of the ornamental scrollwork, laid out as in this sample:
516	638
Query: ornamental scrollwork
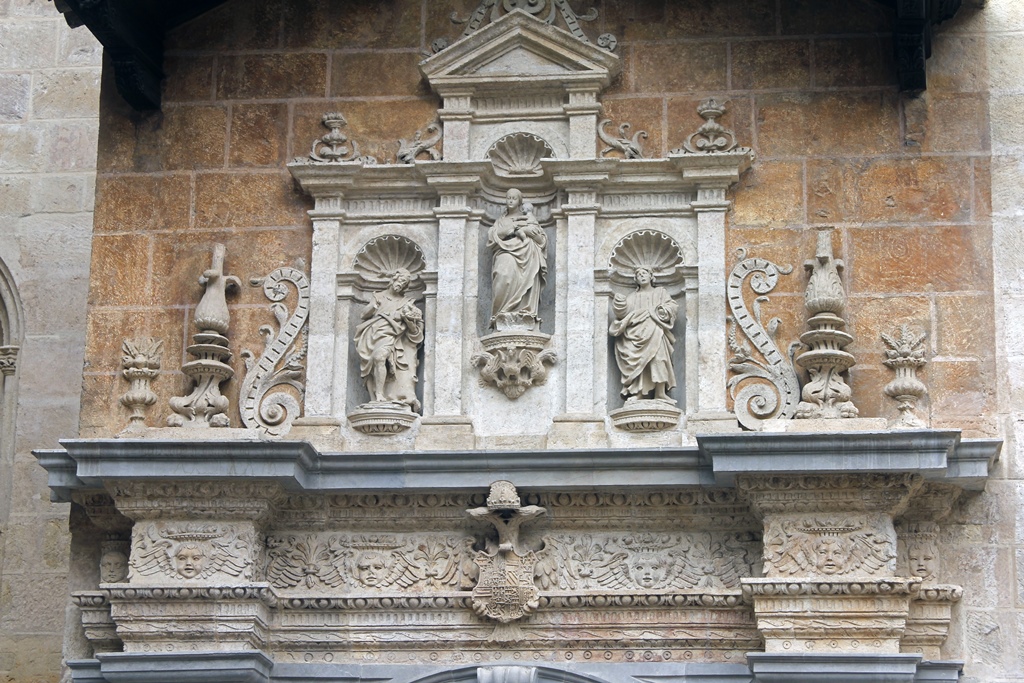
281	364
761	389
545	10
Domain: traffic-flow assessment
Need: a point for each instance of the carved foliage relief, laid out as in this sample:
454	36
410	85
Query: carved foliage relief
188	551
565	561
828	546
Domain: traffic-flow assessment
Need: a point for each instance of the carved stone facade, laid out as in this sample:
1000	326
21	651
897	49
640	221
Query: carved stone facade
509	417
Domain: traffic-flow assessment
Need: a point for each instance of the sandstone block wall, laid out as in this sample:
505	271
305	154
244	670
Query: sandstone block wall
49	99
812	89
926	192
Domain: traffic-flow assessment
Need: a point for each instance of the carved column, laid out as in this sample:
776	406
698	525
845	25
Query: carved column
710	207
193	576
324	360
443	424
831	588
580	209
582	109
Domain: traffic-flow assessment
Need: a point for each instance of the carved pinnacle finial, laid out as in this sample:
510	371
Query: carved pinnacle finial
905	355
826	395
712	137
205	406
140	365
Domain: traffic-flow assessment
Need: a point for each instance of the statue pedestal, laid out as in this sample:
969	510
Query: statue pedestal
382	418
514	360
646	415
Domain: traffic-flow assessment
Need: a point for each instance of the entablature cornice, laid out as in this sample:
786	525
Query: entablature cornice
716	460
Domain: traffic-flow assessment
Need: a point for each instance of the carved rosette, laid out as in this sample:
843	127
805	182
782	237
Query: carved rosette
764	387
272	388
514	361
205	406
826	395
140	365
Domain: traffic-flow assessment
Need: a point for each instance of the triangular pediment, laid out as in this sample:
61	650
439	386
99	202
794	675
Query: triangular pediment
519	46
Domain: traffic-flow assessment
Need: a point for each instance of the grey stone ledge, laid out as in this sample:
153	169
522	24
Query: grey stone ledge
85	464
838	668
938	455
256	667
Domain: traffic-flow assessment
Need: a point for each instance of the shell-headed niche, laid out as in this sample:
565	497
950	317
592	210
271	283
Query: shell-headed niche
518	155
389	334
642	327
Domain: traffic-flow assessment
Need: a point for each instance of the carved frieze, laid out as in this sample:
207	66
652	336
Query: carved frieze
191	550
828	546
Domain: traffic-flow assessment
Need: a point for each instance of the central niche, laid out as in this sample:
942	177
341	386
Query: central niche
542	274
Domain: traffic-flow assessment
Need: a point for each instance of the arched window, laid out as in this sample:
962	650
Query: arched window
10	342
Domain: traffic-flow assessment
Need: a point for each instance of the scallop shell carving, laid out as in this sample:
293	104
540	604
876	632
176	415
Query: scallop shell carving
518	155
382	256
649	249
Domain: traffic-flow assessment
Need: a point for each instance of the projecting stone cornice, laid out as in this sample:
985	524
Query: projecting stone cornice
941	456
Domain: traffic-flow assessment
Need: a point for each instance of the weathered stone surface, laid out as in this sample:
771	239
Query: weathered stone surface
387	24
828	124
227	200
911	259
273	75
376	74
125	259
247	26
831	17
769	195
768	64
258	135
641	114
15	97
130	203
188	78
854	62
70	93
655	69
963	324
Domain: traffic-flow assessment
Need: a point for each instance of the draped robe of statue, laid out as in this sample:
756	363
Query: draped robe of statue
391	332
519	265
643	340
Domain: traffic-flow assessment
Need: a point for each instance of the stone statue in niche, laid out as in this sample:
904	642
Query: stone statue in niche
387	341
643	339
388	338
642	327
518	267
515	356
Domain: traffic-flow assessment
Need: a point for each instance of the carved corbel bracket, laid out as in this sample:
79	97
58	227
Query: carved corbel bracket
514	361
